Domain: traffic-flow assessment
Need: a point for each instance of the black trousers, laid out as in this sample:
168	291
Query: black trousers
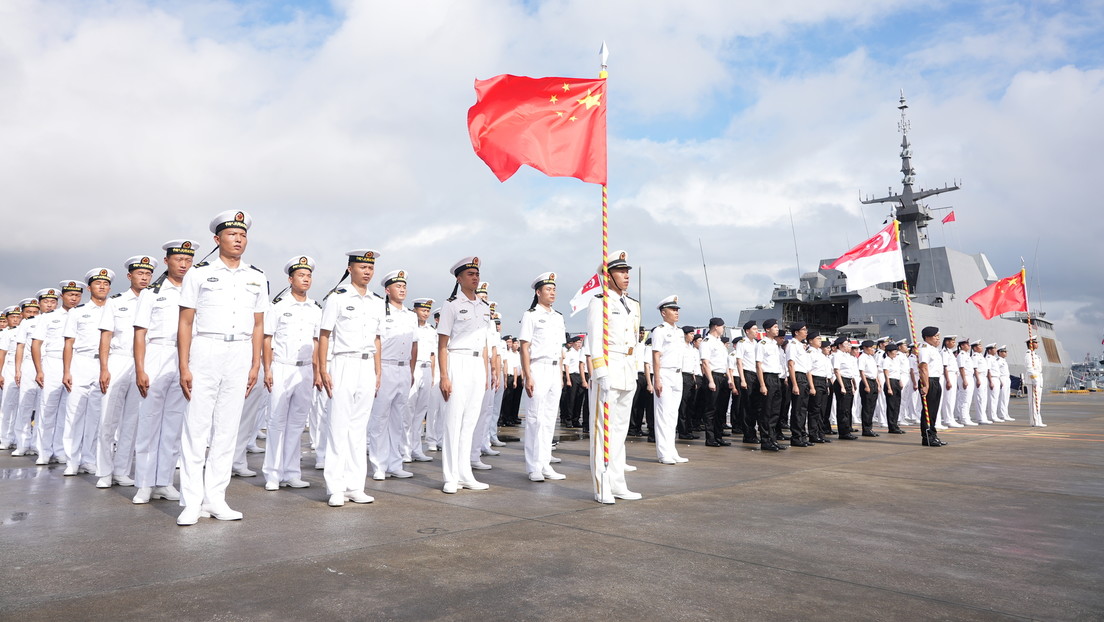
642	401
511	400
750	404
714	408
869	401
583	398
569	408
686	406
816	411
799	407
770	405
893	403
826	409
843	405
736	408
931	403
705	399
784	406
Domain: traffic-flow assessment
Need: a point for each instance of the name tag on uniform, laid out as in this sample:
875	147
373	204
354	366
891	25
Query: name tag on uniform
161	299
540	321
350	308
212	279
389	320
122	308
462	311
287	315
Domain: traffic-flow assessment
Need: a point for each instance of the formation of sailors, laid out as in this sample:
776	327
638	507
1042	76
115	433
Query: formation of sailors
185	369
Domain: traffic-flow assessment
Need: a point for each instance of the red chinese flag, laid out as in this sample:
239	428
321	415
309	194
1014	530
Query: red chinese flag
555	125
949	217
1009	294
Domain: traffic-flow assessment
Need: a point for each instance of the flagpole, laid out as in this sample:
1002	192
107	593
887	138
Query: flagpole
603	53
911	323
1027	305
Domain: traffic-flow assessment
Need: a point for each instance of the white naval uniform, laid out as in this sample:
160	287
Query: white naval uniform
950	394
668	341
119	409
488	420
880	405
225	302
292	326
910	405
82	408
320	414
624	325
1033	380
50	411
543	330
161	411
420	397
998	400
466	323
29	391
354	324
9	398
386	435
966	386
981	388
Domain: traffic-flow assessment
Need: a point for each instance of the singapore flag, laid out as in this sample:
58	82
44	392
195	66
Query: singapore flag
877	260
582	297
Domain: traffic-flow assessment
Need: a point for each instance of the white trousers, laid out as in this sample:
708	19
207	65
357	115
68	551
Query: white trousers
880	407
435	417
1004	390
29	394
354	392
9	404
289	404
160	420
319	414
417	406
981	399
666	414
82	410
220	373
385	426
481	434
541	415
1035	403
964	398
620	409
253	408
950	401
118	418
50	414
908	406
468	375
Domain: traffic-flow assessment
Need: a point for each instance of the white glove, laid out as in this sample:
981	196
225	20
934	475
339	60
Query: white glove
603	384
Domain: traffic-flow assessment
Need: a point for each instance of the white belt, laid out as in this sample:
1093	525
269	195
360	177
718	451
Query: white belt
462	350
224	336
674	369
545	362
162	341
88	355
396	362
295	363
425	363
52	355
357	355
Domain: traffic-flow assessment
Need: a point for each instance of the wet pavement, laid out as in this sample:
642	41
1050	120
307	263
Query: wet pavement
1006	522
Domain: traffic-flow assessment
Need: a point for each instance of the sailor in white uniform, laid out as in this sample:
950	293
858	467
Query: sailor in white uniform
398	356
668	352
81	373
1033	380
223	301
421	395
1004	389
9	401
47	345
45	300
982	382
541	335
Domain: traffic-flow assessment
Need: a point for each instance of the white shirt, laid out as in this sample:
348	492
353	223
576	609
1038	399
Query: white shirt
1000	367
691	359
292	325
933	357
667	339
82	325
640	352
965	361
48	330
981	365
397	334
769	355
799	354
845	363
225	300
1033	367
466	322
868	366
427	342
353	321
543	330
23	336
822	366
896	367
714	351
158	311
745	350
118	319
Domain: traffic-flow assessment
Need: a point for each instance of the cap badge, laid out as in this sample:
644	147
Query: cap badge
239	217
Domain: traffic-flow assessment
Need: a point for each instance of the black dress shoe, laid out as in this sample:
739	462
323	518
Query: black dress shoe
725	434
634	433
723	443
799	444
712	444
897	431
686	437
848	437
825	440
769	447
870	434
651	439
830	431
783	437
750	440
781	447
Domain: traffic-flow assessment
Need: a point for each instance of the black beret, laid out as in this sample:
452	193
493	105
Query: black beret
840	341
813	334
769	323
867	344
796	326
748	325
687	329
929	331
716	322
891	348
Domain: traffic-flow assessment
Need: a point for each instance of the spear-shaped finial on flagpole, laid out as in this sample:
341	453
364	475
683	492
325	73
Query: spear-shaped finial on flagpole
603	52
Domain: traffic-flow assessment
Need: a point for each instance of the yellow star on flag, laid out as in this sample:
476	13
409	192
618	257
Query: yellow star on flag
571	118
590	100
566	87
553	99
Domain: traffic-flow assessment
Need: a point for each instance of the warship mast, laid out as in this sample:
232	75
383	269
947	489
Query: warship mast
912	214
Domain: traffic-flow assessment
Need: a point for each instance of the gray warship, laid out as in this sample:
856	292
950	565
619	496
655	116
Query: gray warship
940	278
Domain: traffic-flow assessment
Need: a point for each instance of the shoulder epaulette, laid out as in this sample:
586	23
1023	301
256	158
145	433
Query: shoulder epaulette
317	304
340	290
557	312
80	305
597	295
202	264
255	268
633	299
116	295
277	299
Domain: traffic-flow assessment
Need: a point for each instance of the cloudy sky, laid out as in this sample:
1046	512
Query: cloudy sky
341	124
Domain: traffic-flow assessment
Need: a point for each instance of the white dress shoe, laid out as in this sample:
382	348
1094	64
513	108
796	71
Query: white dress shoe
142	496
490	452
319	466
431	448
189	516
407	460
87	468
496	443
1006	419
401	474
42	461
608	501
555	460
940	426
122	480
681	459
336	500
973	422
222	512
536	477
70	469
262	435
246	472
18	452
955	424
629	467
474	485
628	495
104	482
254	449
272	485
297	483
550	473
359	496
449	488
668	461
422	458
480	466
167	493
379	476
